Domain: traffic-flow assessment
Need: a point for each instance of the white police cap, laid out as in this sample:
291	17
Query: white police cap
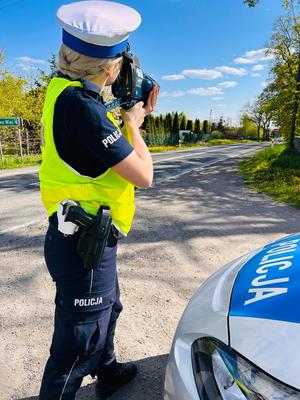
97	28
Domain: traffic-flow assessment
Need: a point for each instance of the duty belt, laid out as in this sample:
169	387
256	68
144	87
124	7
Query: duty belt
112	237
95	231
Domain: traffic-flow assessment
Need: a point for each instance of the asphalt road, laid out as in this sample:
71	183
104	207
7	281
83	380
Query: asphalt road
20	202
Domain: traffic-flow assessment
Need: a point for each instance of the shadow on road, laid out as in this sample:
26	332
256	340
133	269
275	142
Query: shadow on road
211	196
20	182
148	384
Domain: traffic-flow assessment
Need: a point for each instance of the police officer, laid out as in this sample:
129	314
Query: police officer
88	159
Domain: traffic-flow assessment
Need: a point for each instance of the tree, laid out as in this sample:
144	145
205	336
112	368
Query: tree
35	95
284	91
43	78
183	123
255	112
205	126
213	127
175	128
261	113
248	128
197	128
285	44
220	126
168	123
265	101
146	123
12	98
161	120
190	125
251	3
286	3
11	92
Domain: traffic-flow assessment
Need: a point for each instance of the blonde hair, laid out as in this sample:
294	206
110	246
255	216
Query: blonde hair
77	65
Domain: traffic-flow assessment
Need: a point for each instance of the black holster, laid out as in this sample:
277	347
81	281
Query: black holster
94	235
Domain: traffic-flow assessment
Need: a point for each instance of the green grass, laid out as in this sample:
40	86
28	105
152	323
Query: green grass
275	171
15	161
211	142
157	149
215	142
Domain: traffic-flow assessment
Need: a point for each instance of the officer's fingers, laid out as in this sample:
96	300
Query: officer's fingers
150	102
152	99
139	105
155	95
149	107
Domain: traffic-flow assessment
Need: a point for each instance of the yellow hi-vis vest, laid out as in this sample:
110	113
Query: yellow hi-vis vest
58	181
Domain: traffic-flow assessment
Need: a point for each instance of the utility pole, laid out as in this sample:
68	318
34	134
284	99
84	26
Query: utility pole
209	123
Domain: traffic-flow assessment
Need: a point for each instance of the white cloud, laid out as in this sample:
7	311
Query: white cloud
26	67
256	75
217	98
242	60
174	77
178	93
207	74
254	56
210	91
232	70
227	84
264	84
257	67
26	59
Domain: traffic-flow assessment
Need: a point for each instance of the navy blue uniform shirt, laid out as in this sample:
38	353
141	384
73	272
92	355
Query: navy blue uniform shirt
84	136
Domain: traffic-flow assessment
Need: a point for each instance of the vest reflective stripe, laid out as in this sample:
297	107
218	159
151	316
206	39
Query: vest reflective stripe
58	181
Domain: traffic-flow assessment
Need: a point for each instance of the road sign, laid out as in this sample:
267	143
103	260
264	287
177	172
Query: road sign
10	121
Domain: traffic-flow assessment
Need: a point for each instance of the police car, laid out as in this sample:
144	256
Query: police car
239	337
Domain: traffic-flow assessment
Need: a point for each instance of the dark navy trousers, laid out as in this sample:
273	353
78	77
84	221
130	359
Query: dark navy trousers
87	306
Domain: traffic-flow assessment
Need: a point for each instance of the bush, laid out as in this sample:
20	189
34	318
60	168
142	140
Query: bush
217	135
10	161
231	133
248	132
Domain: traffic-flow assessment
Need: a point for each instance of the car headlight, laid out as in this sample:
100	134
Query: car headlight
223	374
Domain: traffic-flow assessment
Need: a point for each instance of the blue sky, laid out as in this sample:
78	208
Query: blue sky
206	54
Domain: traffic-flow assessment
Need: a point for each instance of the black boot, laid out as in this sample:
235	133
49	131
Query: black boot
113	376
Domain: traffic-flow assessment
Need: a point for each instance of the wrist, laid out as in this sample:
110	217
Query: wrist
131	126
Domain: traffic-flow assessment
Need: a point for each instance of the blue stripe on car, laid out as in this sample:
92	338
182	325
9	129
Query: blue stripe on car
268	285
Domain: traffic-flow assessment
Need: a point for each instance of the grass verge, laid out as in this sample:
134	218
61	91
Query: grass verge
215	142
275	171
16	162
157	149
212	142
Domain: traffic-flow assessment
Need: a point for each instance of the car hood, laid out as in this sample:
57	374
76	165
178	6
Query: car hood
207	312
264	311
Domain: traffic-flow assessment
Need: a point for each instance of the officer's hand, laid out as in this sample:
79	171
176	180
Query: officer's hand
152	100
134	117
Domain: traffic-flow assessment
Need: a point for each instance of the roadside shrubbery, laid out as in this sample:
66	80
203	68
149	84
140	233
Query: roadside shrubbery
214	142
217	135
14	161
